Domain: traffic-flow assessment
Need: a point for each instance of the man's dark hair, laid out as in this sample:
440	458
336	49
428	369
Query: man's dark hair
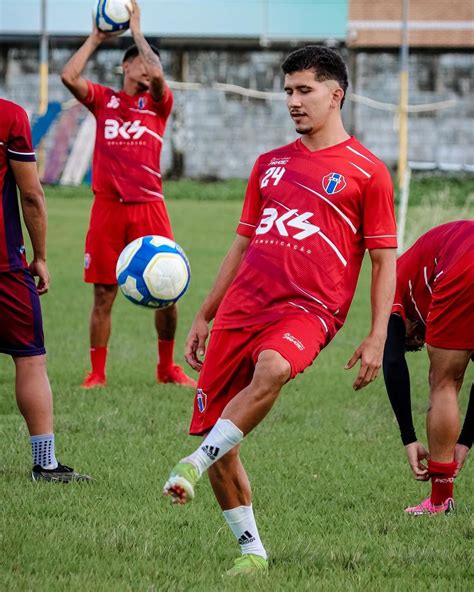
326	63
132	52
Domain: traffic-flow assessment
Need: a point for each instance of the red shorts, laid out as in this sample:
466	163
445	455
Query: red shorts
21	324
232	354
112	226
450	319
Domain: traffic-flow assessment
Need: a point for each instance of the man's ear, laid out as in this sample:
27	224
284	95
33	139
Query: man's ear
337	96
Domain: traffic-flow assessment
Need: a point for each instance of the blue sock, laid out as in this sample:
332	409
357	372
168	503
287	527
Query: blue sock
42	449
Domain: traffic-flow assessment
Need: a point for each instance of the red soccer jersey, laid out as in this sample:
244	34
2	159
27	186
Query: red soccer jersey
310	216
128	142
427	262
15	144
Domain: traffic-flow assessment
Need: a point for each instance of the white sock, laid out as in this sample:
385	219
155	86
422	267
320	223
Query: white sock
242	523
42	450
222	438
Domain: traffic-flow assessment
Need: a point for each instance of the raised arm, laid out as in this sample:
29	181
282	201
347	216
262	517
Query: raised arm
196	340
370	351
34	215
151	61
71	75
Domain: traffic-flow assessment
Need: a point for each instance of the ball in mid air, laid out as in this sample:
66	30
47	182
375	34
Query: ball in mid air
112	16
153	271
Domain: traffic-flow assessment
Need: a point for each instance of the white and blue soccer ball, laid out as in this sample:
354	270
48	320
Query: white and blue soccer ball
153	271
112	16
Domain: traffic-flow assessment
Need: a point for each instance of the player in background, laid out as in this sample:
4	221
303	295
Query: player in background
127	186
21	325
434	303
284	289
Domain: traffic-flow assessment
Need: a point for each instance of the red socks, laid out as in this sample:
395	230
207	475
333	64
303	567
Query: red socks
165	353
98	360
442	481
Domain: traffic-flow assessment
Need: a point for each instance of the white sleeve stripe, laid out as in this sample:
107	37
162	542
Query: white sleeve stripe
22	153
398	304
381	236
359	154
360	169
247	224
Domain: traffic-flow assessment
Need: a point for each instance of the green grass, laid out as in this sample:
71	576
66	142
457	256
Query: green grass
328	471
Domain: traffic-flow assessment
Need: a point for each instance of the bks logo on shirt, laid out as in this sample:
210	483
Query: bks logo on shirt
333	183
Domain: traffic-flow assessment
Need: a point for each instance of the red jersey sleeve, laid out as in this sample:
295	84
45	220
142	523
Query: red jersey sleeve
20	145
95	94
164	105
252	204
378	218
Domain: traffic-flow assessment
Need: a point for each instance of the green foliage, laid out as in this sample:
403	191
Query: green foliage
327	467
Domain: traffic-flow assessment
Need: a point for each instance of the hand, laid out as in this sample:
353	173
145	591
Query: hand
461	452
39	269
97	35
134	12
370	353
196	343
416	452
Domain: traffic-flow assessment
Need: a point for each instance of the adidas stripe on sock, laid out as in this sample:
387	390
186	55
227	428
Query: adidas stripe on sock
242	523
222	438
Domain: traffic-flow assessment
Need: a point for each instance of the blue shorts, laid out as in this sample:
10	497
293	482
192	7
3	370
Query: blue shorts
21	323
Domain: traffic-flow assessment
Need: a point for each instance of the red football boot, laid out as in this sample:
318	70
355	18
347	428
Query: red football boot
174	375
93	380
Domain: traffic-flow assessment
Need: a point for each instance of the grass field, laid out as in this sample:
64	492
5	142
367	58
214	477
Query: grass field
327	466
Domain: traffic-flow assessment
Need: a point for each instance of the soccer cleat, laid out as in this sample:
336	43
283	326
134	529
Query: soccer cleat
426	507
92	380
248	565
61	474
181	482
174	375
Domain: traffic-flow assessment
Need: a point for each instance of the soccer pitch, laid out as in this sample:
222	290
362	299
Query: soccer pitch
327	466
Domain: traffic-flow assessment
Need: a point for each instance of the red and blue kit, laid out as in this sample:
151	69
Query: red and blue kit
435	285
21	328
126	177
310	217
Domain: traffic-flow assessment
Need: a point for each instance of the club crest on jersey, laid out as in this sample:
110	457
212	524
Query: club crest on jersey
201	399
141	103
114	102
333	183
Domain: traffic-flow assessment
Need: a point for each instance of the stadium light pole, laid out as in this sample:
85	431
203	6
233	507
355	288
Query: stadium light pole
43	61
403	104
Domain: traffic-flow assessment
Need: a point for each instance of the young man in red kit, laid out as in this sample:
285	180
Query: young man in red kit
21	325
434	303
311	210
128	194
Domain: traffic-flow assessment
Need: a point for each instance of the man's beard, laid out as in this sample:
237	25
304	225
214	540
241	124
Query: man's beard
304	131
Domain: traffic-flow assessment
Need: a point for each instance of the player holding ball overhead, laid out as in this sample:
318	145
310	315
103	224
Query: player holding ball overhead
127	186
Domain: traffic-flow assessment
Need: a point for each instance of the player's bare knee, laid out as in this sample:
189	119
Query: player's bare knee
271	371
104	296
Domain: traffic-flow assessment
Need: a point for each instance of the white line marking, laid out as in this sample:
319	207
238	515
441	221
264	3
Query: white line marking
414	303
154	134
151	192
143	111
333	247
359	154
323	323
358	167
425	275
22	153
309	295
345	218
298	306
156	173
